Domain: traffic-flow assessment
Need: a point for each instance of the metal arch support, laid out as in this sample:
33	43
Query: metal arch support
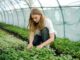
41	6
10	10
7	12
12	15
15	10
4	13
62	17
28	4
22	12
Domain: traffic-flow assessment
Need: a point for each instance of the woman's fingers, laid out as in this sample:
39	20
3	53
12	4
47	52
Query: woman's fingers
29	46
40	46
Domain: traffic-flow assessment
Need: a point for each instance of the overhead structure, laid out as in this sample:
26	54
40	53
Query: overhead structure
63	13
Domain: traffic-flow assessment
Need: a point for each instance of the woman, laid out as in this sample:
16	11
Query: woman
41	30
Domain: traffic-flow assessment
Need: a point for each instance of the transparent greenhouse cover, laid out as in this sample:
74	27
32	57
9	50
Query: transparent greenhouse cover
66	20
17	4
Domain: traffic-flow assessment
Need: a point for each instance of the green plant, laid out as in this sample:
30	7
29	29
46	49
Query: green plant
20	32
67	50
7	40
65	46
9	54
33	54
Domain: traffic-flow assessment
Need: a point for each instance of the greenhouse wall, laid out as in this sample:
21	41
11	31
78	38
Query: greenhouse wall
71	17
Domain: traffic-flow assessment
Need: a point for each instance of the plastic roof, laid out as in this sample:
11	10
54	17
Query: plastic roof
17	4
65	14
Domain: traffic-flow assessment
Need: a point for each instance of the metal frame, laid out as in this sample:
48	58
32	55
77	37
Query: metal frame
3	12
15	11
4	8
11	13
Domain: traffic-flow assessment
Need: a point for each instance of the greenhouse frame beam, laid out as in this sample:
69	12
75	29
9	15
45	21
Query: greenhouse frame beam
62	18
10	11
22	12
28	4
4	13
7	12
3	17
14	9
41	6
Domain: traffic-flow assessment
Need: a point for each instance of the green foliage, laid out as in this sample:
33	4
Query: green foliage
14	49
33	54
37	54
23	33
9	54
7	40
65	46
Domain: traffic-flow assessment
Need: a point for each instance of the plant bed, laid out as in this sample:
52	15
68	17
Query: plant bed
65	46
9	41
16	31
33	54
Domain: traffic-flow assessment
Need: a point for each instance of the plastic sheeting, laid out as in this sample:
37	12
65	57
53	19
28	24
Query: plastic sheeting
65	14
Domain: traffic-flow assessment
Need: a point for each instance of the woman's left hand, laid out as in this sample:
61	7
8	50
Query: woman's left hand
40	46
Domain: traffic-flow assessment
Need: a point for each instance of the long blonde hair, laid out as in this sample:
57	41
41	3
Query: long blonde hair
32	25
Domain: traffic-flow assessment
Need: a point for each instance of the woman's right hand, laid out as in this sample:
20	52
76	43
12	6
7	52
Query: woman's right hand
29	46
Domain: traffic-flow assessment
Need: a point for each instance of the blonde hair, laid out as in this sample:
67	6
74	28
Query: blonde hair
32	25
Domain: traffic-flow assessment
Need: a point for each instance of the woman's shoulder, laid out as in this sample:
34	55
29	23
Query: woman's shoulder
47	20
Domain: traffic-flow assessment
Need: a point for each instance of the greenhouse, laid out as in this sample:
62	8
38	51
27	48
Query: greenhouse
64	29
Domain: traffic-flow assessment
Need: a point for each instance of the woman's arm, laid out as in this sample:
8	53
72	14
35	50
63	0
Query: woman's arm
31	38
51	39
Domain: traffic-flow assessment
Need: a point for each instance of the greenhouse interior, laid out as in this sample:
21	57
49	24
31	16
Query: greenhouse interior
14	33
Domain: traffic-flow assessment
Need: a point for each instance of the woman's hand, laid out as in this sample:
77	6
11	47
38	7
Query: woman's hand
29	46
40	46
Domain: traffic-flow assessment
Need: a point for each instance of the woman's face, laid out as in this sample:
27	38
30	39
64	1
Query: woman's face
36	18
